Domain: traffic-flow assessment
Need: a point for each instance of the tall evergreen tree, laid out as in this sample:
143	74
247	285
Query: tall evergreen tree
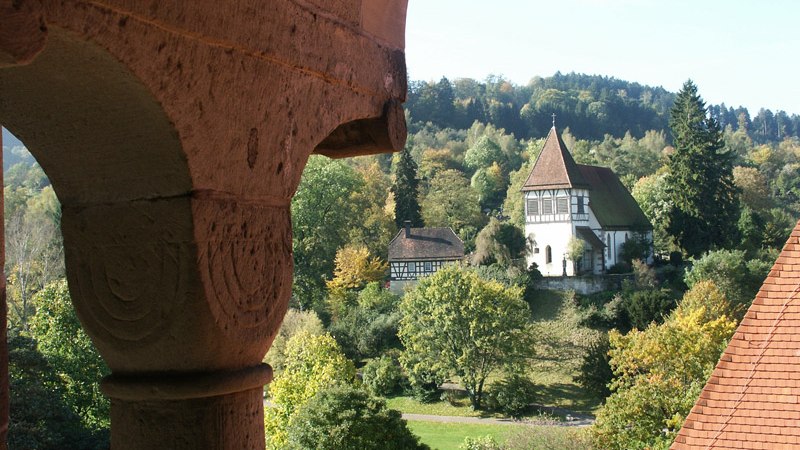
704	206
405	190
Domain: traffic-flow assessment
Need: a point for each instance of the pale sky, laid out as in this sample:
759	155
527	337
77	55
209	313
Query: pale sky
740	52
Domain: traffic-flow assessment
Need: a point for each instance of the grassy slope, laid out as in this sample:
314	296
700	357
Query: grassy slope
562	342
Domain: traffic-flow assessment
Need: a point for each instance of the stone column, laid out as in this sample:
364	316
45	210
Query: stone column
182	296
175	134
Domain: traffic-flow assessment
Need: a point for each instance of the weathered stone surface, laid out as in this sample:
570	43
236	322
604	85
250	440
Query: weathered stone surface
23	32
175	135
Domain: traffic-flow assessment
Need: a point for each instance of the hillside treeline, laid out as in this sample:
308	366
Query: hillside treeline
591	105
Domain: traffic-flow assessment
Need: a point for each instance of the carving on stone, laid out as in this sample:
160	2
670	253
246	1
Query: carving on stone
246	264
126	267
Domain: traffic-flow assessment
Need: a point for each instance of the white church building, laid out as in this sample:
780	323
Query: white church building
565	200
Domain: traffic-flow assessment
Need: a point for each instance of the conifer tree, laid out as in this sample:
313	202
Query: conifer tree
704	206
405	190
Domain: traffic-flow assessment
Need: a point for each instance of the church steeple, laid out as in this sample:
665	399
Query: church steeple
554	168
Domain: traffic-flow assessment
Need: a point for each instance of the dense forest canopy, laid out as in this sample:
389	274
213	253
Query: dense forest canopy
591	105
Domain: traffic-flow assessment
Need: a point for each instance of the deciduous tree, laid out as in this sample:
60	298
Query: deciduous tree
347	418
458	324
71	355
313	364
659	372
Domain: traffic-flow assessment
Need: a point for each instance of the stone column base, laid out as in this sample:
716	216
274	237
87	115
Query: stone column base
188	411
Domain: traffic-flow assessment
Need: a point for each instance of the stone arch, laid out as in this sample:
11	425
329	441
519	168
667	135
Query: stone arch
174	135
103	140
96	130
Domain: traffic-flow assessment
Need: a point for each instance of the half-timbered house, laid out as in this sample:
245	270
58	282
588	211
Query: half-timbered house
419	252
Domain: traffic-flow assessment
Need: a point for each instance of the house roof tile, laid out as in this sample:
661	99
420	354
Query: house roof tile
426	244
752	399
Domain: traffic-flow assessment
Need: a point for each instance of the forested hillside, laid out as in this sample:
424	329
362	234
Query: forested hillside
591	105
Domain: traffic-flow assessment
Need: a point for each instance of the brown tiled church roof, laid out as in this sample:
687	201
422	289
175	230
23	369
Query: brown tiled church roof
554	168
426	244
612	204
752	400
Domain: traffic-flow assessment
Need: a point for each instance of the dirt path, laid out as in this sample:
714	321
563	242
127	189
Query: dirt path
579	421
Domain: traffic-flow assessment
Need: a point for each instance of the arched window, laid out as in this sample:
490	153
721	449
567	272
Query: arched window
548	255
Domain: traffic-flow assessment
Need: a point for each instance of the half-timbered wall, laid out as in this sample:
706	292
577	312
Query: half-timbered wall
412	270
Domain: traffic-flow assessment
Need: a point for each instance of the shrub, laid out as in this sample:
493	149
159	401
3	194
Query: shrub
512	396
595	370
382	376
347	418
480	443
549	438
645	307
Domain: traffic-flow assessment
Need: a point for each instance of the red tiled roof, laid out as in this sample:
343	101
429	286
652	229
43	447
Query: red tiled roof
554	168
752	400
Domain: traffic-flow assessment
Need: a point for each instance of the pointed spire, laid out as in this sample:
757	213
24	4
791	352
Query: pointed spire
554	168
554	120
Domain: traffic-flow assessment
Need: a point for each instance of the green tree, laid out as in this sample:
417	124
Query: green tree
40	418
491	185
576	247
368	328
294	322
456	323
313	364
452	203
71	355
347	418
483	154
700	180
513	205
660	371
499	242
651	193
733	274
377	226
406	190
323	214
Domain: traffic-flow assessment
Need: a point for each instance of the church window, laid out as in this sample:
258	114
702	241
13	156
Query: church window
547	206
548	255
562	205
533	206
580	205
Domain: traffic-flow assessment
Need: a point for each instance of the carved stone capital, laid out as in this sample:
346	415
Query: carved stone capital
192	283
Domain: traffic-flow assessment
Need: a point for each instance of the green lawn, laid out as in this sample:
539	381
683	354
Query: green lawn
448	436
411	406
